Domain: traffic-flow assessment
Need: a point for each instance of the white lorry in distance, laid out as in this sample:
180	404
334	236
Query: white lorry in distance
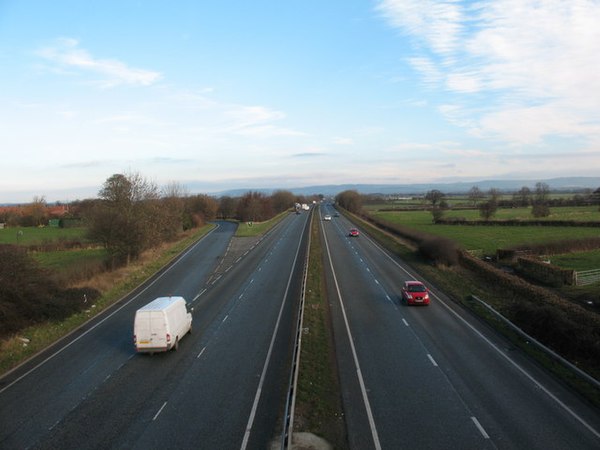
160	324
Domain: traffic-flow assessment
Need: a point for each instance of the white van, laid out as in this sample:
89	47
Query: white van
160	324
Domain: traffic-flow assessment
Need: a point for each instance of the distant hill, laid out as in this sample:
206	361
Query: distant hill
566	184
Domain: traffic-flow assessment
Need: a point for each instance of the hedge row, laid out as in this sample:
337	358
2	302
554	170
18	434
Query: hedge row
559	247
437	249
530	308
53	246
517	222
546	273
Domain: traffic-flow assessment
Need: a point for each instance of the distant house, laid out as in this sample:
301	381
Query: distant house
57	210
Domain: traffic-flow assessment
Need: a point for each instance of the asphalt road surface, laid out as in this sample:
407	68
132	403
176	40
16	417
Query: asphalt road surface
223	389
433	377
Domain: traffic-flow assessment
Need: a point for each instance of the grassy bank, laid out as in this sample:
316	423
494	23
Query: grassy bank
251	229
113	285
318	403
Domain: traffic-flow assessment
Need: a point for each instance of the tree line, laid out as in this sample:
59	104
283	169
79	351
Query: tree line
488	203
132	214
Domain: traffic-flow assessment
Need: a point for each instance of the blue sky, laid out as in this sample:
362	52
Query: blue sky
284	94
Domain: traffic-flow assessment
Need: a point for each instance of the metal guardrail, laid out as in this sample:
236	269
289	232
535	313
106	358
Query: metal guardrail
580	373
290	405
586	277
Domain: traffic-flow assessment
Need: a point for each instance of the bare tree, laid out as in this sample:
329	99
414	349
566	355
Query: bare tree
227	207
476	195
36	212
282	200
125	219
349	200
522	197
540	200
170	212
595	196
254	207
489	208
200	208
434	196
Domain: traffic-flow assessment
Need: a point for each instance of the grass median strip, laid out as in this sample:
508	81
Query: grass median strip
251	229
318	403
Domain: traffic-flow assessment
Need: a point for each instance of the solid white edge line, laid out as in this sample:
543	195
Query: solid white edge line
479	427
576	416
361	381
53	355
268	358
159	411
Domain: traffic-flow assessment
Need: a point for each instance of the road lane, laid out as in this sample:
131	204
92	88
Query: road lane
200	396
57	380
434	374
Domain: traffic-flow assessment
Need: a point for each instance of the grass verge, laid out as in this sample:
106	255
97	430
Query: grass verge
113	285
318	402
251	229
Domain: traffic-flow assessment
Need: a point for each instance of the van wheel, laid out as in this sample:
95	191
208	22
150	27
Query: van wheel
176	346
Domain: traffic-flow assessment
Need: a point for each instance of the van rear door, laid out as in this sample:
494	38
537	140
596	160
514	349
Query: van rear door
150	330
158	329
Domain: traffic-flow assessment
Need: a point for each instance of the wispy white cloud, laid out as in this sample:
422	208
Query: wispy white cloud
66	53
437	23
522	70
257	121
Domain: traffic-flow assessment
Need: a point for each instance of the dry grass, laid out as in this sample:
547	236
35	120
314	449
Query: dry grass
113	286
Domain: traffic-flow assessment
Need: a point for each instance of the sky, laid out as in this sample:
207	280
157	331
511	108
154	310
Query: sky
235	94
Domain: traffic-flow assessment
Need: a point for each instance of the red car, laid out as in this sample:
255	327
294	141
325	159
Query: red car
353	232
415	293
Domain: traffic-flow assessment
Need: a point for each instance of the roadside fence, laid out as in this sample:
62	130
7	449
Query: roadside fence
586	277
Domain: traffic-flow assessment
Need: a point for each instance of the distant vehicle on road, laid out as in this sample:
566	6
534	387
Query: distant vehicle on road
337	214
353	232
160	325
327	217
415	293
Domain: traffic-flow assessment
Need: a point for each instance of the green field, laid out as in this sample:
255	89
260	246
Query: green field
578	261
488	239
249	229
40	235
581	213
65	261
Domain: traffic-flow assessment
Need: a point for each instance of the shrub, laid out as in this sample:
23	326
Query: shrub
540	210
439	250
28	294
557	330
